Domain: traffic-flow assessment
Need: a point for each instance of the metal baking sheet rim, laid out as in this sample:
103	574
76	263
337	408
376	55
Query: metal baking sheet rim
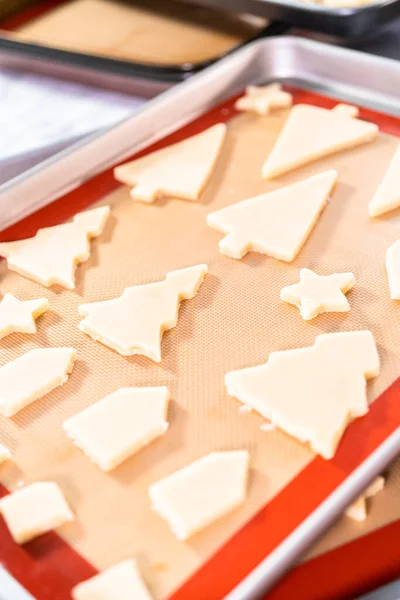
350	21
335	71
327	69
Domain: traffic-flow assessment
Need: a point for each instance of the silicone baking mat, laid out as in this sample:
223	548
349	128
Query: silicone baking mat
236	320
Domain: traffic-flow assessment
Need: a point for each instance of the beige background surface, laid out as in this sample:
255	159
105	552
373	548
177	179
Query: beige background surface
236	319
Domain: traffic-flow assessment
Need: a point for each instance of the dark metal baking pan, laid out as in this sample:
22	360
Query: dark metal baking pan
346	22
119	67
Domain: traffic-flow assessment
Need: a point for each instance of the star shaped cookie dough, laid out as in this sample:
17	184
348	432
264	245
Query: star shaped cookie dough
19	316
316	294
262	99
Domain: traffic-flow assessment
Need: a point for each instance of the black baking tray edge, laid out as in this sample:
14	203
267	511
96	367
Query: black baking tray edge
349	22
170	74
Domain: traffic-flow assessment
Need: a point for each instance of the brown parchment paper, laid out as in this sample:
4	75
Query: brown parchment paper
151	31
236	320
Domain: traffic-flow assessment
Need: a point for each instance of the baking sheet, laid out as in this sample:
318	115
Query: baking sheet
141	244
148	32
158	41
351	21
382	509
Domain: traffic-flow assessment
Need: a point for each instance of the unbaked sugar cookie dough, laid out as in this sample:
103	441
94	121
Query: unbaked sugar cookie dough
262	100
134	322
120	582
19	316
387	196
51	256
311	132
34	509
312	393
204	491
116	427
277	223
32	376
180	171
316	294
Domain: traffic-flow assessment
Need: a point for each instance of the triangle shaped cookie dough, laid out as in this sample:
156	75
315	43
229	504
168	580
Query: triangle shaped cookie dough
387	196
116	427
276	223
180	171
393	270
35	509
120	582
32	376
311	132
19	316
316	294
312	393
134	322
201	493
51	256
262	99
358	510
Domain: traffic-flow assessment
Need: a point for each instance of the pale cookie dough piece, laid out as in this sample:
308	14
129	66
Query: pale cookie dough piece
116	427
51	256
316	294
32	376
312	393
263	99
35	509
277	223
120	582
204	491
358	510
393	269
387	196
180	171
311	132
19	316
134	322
5	454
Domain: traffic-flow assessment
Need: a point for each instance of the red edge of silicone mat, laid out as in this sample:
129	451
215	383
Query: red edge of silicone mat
49	568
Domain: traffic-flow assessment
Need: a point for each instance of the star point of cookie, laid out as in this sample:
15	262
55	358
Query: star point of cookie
264	98
19	315
316	294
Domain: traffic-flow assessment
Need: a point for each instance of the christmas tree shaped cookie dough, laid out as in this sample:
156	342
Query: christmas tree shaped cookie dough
120	582
316	294
35	509
393	270
312	393
311	132
180	171
201	493
113	429
263	99
358	510
134	322
32	376
19	316
276	223
387	196
51	256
